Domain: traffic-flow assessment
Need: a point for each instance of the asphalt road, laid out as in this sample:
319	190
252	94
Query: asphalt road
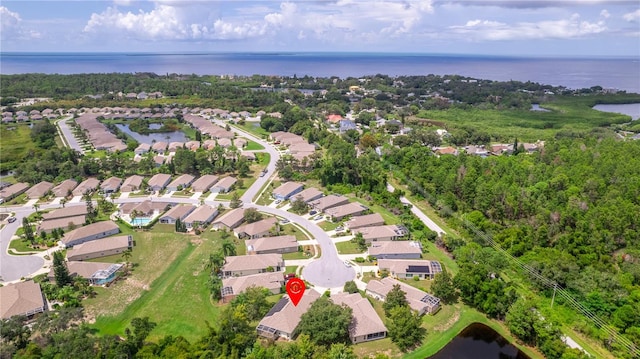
15	267
415	210
68	134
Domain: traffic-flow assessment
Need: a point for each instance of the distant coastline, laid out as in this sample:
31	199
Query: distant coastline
622	73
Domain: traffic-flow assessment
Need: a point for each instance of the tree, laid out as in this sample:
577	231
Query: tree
521	320
350	287
60	270
228	248
395	298
28	230
299	206
341	351
405	327
138	332
359	240
252	215
236	332
235	201
126	256
442	287
92	213
254	300
198	136
325	323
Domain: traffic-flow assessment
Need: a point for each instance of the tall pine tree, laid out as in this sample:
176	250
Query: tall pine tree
60	270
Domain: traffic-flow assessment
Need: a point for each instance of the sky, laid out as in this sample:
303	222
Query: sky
486	27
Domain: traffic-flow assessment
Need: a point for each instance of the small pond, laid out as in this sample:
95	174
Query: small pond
177	136
630	109
536	107
478	341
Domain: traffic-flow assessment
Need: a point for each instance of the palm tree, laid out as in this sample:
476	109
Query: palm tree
36	207
126	255
63	201
228	248
216	261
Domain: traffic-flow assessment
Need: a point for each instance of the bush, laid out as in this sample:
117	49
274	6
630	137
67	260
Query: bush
416	278
359	260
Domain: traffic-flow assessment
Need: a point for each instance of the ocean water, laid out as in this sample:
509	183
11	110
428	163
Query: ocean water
618	73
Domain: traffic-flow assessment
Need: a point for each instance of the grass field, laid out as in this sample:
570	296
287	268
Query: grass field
347	248
567	113
254	128
253	146
169	285
16	143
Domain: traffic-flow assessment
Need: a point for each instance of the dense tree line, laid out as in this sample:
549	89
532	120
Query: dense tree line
570	211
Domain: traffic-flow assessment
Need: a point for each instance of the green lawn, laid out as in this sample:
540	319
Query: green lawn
16	143
254	128
291	269
328	226
169	266
295	255
253	146
293	230
347	248
22	245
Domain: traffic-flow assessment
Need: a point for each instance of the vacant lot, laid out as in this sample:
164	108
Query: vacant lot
169	284
15	144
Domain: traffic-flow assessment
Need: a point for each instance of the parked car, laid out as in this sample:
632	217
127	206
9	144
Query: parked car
339	229
278	201
318	217
284	221
313	213
289	276
346	263
11	219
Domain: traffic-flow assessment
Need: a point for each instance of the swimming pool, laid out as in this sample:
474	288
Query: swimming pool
140	221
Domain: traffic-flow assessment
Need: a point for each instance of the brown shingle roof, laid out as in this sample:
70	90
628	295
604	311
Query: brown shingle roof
63	188
365	320
39	190
237	285
20	298
201	214
258	227
252	262
395	247
91	229
99	245
285	316
132	183
367	220
232	217
271	243
179	211
203	183
71	211
90	184
286	188
329	201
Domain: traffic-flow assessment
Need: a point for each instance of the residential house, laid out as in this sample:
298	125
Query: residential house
224	185
132	184
100	248
330	201
257	229
9	193
396	250
407	269
178	212
111	185
309	194
145	208
420	301
159	147
66	223
182	182
446	151
283	318
287	190
201	216
279	244
67	212
232	286
382	233
476	150
365	324
174	146
142	149
64	188
22	298
159	181
345	210
96	273
368	220
203	183
237	266
39	190
192	145
230	220
159	160
89	233
87	186
346	125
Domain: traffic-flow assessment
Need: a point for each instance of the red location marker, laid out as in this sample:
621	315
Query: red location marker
295	289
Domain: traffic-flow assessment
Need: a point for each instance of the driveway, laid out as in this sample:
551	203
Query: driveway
415	210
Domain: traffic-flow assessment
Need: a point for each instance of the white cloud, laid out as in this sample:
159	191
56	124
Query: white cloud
605	14
556	29
632	16
12	27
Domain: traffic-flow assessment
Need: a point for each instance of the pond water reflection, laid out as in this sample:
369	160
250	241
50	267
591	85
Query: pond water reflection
177	136
478	341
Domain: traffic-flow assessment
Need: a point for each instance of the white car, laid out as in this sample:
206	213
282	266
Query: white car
346	263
